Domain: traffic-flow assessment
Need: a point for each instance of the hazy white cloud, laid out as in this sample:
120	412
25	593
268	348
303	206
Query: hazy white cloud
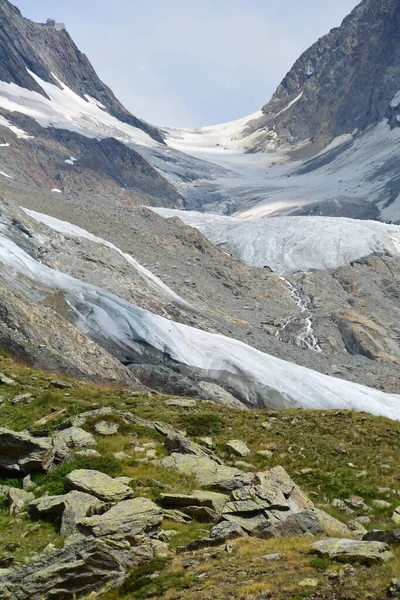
191	62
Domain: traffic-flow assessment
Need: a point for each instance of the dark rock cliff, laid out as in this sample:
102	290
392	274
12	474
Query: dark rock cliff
347	78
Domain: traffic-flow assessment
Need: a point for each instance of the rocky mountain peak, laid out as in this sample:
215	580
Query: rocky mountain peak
344	82
50	53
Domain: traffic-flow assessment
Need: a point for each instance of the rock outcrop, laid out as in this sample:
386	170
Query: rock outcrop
353	551
344	82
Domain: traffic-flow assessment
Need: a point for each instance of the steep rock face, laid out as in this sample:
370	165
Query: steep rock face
345	81
112	172
46	51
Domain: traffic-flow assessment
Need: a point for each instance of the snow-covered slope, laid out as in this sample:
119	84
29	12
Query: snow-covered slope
288	244
64	109
127	330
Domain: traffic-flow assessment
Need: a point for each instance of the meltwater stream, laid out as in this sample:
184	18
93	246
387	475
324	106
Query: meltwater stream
306	338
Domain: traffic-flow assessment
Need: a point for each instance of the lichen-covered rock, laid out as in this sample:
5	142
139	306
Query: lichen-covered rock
353	550
176	442
272	505
207	472
97	484
125	520
332	526
81	567
106	428
67	508
22	453
74	437
396	516
238	447
212	500
295	525
18	499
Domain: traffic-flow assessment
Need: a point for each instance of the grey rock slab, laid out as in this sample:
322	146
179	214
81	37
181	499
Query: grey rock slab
69	508
83	566
177	516
176	442
295	525
106	428
22	453
6	380
390	537
89	453
254	524
202	514
396	516
238	448
353	550
227	530
125	520
207	472
97	484
332	526
18	499
278	477
23	398
74	437
212	500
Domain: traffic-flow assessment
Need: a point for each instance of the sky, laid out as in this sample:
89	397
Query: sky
191	63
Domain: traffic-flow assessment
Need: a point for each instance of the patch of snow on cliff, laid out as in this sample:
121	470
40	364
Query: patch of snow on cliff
64	109
20	133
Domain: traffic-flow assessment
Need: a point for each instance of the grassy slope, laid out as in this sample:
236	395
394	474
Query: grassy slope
329	454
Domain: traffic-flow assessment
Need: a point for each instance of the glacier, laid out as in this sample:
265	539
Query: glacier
124	329
290	244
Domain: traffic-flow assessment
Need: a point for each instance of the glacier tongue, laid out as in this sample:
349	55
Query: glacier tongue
126	330
290	244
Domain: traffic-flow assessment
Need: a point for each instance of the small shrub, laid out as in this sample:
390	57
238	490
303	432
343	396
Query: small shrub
140	585
322	564
198	425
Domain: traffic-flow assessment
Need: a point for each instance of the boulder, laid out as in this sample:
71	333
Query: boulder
175	442
391	537
68	508
97	484
106	428
18	499
73	437
238	448
332	526
23	398
79	568
295	525
22	453
396	516
207	472
126	520
89	453
353	550
272	505
212	500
